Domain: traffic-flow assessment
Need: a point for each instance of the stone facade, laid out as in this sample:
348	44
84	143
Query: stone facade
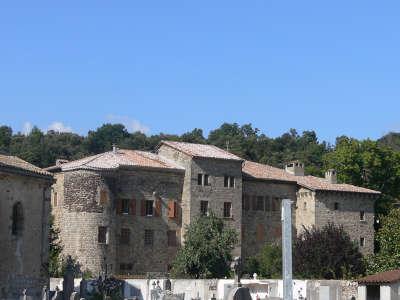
24	223
126	211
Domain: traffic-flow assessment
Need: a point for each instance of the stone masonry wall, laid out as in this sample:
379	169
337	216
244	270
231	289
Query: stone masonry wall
23	257
263	224
348	214
305	209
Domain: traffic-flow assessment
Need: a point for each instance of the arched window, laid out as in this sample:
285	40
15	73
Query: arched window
17	219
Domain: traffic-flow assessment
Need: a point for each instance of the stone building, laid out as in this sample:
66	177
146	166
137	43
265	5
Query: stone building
24	212
126	211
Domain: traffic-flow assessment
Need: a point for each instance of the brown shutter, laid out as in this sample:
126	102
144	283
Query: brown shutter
143	208
119	206
132	210
172	209
158	208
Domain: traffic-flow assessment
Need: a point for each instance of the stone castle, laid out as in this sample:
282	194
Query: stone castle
125	211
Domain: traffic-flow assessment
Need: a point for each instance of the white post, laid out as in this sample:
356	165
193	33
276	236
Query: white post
287	249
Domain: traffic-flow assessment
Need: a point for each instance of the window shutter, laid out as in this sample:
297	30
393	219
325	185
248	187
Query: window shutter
143	208
132	209
158	208
172	209
119	206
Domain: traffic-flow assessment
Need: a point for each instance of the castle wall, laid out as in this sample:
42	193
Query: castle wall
348	214
262	225
24	255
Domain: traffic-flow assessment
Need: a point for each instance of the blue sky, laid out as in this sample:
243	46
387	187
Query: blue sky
171	66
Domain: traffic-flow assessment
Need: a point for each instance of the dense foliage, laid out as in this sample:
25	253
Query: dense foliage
388	238
326	253
267	264
207	250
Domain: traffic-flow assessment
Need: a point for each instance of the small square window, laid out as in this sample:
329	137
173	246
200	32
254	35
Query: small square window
148	237
125	236
171	235
149	207
199	179
362	216
227	209
362	242
102	235
336	206
204	208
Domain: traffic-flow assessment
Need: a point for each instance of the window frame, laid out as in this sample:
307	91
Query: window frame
149	207
101	234
125	206
227	213
362	216
204	204
148	238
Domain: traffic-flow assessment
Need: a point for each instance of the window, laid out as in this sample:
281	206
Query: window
260	203
199	179
125	206
227	209
102	235
125	236
171	235
362	215
55	199
103	197
148	237
203	179
149	207
206	181
204	208
362	242
126	267
229	181
336	206
17	219
275	204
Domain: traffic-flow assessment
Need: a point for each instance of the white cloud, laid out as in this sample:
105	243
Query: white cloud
27	128
59	127
132	125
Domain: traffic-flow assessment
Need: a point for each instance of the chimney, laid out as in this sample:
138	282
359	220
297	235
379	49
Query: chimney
331	176
114	149
59	161
295	168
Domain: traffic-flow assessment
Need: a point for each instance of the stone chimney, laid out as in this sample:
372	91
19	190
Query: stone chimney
59	161
114	149
295	168
331	176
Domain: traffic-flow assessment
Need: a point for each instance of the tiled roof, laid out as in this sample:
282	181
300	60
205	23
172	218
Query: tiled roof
383	277
320	184
202	150
120	159
260	171
19	164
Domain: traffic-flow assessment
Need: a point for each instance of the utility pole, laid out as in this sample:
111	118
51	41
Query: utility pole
287	249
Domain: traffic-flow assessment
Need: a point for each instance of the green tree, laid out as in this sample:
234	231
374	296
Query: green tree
270	261
388	239
104	137
367	164
207	249
55	249
327	253
5	139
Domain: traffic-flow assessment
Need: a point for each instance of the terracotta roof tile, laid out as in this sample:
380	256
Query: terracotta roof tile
202	150
122	158
320	184
261	171
383	277
19	164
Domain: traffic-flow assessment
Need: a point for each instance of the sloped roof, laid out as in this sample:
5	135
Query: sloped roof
202	150
320	184
260	171
383	277
119	159
21	165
